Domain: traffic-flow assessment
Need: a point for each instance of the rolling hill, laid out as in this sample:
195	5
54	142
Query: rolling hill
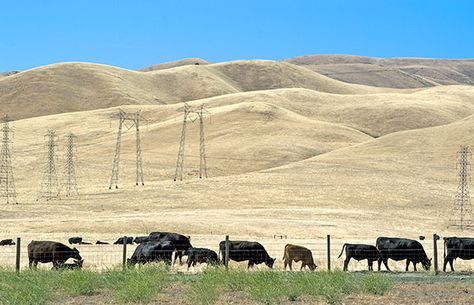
390	72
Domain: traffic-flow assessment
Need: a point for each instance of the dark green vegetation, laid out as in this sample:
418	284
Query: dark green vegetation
143	285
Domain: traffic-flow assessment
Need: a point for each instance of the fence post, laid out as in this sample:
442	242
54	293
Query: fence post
435	252
329	251
226	253
124	254
18	250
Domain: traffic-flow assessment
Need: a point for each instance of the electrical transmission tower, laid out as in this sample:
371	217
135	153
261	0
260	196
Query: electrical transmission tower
462	207
69	181
7	183
49	184
123	118
200	112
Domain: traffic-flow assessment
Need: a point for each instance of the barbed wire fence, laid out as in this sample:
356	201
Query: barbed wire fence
325	251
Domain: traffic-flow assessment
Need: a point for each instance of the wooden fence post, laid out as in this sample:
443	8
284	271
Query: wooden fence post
329	251
435	253
124	254
18	250
226	253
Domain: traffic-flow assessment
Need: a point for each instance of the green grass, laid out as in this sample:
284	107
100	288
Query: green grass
144	284
41	286
270	287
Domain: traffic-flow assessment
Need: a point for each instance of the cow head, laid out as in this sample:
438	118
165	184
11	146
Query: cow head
76	255
426	264
79	263
312	266
269	262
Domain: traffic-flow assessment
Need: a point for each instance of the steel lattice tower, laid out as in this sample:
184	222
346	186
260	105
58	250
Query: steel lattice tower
69	181
180	160
462	207
49	184
200	111
7	183
135	118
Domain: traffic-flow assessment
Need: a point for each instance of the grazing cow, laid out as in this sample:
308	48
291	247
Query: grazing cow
298	253
457	247
240	251
401	248
75	240
180	242
101	242
50	251
77	264
7	242
152	251
120	241
360	252
201	255
141	239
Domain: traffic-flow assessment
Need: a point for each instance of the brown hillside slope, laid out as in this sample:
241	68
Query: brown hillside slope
374	114
69	87
390	72
177	63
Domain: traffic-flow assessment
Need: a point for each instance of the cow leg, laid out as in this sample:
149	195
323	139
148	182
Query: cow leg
451	261
302	266
379	261
414	265
285	264
291	265
385	262
250	265
346	263
370	264
408	264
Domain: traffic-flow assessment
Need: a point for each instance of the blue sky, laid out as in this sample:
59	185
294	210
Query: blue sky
134	34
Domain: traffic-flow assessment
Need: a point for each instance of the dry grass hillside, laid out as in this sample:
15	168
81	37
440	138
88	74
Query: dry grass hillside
177	63
350	161
70	87
390	72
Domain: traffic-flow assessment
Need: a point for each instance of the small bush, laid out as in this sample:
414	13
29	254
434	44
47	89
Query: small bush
376	284
77	282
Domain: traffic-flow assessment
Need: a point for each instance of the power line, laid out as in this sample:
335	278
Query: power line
49	184
135	119
7	182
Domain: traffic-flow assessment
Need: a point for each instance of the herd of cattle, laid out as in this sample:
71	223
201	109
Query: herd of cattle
160	246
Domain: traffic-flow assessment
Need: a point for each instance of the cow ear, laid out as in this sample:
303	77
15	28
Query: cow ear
431	259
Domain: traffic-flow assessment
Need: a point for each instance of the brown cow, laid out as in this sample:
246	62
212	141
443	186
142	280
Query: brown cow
298	253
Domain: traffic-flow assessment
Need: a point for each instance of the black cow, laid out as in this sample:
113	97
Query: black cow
75	240
152	251
120	241
457	247
180	242
201	255
141	239
401	248
85	243
50	251
101	242
240	251
360	252
77	264
7	242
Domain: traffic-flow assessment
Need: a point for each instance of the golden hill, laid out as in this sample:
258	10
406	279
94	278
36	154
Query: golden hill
390	72
70	87
177	63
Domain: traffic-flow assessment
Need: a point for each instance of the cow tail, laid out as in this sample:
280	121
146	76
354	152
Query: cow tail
342	250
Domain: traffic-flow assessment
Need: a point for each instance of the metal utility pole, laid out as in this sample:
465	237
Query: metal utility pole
200	112
462	207
49	185
135	118
180	162
70	183
7	183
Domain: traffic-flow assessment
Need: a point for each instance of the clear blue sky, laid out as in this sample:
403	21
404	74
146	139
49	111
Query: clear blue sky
133	34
